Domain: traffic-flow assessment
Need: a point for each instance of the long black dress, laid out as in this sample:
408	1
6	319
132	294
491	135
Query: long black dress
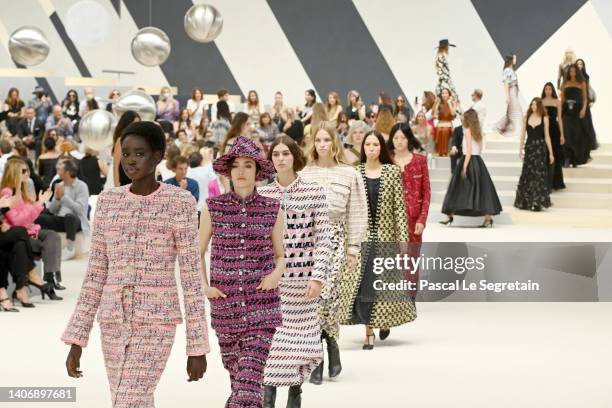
556	175
533	192
473	195
577	141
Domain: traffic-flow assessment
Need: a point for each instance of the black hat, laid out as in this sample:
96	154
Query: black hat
445	43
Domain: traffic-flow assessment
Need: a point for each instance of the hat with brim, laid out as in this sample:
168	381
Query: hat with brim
244	147
445	43
38	89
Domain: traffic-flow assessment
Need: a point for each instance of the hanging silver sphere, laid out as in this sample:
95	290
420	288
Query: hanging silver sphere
28	46
96	129
137	101
203	23
151	46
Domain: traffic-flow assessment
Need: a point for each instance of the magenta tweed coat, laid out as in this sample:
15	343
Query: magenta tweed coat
135	243
242	255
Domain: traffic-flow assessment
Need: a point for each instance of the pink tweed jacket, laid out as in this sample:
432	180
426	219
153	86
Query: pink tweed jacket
130	277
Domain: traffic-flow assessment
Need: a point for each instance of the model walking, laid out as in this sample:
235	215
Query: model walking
471	191
574	101
417	189
130	279
512	123
552	104
246	265
296	348
533	191
361	303
347	202
443	70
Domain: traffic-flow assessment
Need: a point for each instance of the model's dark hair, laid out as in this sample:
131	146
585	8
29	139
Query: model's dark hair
413	142
151	132
384	156
223	111
239	120
312	93
509	61
125	120
554	92
583	71
579	76
299	160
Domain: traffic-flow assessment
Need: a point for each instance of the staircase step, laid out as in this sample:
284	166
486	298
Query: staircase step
559	199
573	185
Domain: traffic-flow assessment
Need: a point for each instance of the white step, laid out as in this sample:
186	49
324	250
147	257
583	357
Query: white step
589	170
573	185
559	199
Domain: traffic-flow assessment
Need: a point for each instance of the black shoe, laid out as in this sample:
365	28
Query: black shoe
316	377
367	345
295	397
487	224
333	352
57	283
46	289
269	396
448	221
384	333
23	304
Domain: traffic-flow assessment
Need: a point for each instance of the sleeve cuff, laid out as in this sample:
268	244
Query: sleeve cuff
353	250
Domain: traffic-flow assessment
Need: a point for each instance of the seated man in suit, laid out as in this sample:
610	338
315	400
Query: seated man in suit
30	130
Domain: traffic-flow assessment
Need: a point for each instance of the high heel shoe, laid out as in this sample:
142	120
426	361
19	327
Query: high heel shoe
269	396
294	399
7	309
23	304
368	346
50	279
448	221
46	289
333	352
384	333
487	224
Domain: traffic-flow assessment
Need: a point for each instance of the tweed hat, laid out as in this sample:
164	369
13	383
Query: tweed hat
244	147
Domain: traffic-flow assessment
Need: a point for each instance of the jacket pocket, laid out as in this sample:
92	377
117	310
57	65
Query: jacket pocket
111	307
157	305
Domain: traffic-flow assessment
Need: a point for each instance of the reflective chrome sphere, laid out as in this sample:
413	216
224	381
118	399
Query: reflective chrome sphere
151	46
203	23
137	101
28	46
96	129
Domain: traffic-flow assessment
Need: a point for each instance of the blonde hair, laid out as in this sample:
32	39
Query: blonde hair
568	60
348	97
207	155
336	96
12	173
337	150
384	121
471	122
319	115
358	124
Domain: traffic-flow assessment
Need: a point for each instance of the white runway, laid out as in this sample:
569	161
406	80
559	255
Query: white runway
455	354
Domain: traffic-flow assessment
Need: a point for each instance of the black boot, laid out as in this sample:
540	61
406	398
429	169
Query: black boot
269	396
295	397
58	280
48	277
316	377
333	352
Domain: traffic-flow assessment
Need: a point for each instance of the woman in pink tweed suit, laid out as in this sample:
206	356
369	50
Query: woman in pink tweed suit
139	230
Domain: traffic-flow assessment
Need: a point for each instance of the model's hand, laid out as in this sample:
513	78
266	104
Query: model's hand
351	262
313	290
73	361
418	228
464	172
196	367
521	154
551	158
269	282
213	293
562	141
582	113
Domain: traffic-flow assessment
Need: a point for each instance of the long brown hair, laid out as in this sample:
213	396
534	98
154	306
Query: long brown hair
579	76
13	103
239	120
540	110
299	160
384	156
471	121
429	99
12	173
252	92
384	121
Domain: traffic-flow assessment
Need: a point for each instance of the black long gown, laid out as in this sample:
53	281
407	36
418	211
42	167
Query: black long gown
556	173
533	191
577	141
